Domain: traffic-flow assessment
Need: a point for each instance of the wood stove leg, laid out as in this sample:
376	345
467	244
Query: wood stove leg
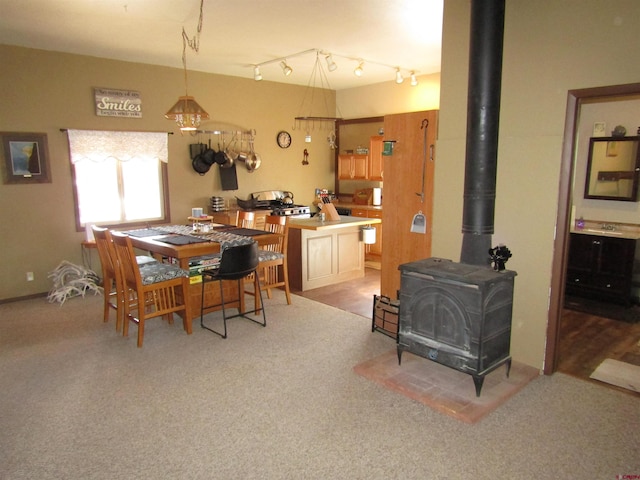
399	355
508	362
478	381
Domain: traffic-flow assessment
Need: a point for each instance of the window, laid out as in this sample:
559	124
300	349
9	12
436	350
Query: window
119	177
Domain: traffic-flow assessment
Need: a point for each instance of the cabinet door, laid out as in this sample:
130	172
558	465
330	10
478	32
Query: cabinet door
360	167
376	160
581	252
376	248
345	170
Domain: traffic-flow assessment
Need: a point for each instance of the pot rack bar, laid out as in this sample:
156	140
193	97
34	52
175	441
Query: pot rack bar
251	132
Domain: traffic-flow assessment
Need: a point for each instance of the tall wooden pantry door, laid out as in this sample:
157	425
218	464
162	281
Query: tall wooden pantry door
403	184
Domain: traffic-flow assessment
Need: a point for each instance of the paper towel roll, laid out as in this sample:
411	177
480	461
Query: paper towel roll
377	196
369	235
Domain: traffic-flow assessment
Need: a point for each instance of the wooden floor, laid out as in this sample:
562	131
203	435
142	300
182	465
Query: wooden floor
585	340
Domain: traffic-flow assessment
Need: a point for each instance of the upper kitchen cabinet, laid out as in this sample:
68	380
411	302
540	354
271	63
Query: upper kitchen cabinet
363	167
612	169
353	167
376	162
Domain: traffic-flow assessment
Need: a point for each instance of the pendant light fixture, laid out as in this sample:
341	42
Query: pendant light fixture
186	112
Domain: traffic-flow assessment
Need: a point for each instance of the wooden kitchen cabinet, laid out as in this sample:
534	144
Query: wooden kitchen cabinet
372	252
600	267
230	217
376	160
353	167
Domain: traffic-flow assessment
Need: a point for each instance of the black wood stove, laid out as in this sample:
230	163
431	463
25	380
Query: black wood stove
457	315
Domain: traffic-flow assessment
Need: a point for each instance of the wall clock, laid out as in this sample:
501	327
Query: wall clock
283	139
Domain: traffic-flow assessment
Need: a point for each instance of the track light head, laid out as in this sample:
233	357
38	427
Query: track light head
257	76
358	70
414	80
399	77
286	69
331	65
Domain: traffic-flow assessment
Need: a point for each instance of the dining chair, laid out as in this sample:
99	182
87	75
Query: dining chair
246	219
114	292
272	267
158	289
236	263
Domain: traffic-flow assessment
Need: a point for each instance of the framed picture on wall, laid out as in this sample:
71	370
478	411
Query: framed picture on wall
26	157
599	129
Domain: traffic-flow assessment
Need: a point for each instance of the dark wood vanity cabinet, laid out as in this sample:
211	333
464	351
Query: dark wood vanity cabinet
600	267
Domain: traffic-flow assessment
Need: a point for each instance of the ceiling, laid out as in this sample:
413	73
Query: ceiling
238	34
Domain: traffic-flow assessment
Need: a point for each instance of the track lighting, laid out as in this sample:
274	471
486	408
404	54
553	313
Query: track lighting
331	65
286	69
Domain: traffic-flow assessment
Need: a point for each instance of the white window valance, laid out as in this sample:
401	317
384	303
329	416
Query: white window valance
99	145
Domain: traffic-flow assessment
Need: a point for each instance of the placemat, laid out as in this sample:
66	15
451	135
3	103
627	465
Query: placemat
247	232
144	232
181	239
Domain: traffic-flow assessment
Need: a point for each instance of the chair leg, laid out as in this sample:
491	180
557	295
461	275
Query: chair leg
285	275
224	318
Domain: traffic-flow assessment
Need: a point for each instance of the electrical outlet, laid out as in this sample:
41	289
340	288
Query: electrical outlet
29	276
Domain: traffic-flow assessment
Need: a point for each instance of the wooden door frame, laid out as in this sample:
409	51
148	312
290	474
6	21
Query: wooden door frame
575	98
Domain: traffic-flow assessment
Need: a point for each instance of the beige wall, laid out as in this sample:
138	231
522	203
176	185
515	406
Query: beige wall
44	92
550	47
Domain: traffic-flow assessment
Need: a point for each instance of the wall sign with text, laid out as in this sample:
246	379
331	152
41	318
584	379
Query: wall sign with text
117	103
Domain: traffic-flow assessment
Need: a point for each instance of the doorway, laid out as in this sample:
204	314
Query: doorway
575	99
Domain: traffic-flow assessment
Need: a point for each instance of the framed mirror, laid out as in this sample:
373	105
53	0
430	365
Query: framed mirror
612	169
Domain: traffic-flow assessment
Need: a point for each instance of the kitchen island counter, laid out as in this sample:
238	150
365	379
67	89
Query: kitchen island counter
322	253
314	223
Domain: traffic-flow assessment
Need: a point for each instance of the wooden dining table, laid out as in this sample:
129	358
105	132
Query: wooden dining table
161	243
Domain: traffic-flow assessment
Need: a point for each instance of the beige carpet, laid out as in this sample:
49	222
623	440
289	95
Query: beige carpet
444	389
78	401
620	374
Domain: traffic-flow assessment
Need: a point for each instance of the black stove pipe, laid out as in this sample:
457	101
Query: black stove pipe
483	114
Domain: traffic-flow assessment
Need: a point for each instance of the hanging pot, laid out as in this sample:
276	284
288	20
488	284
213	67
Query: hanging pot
208	156
253	162
199	165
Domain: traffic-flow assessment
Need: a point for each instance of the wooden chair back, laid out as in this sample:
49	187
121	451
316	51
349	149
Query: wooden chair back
246	219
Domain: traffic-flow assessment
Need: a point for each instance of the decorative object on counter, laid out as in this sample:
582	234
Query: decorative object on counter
580	223
186	112
363	196
619	131
499	256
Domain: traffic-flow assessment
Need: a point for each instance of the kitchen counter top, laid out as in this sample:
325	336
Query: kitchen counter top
314	223
608	229
356	205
